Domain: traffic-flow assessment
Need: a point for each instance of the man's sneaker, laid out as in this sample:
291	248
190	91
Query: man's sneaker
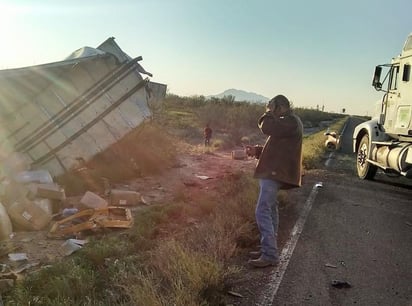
262	263
255	254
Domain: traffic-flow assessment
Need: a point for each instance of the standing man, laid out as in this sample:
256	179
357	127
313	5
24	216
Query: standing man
279	167
207	133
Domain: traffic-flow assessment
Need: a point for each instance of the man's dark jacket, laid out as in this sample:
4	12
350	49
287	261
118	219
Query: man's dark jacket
281	157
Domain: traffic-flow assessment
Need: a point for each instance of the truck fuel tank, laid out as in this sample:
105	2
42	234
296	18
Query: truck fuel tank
398	156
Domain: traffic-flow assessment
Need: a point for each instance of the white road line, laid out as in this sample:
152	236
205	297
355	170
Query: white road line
287	251
344	127
327	162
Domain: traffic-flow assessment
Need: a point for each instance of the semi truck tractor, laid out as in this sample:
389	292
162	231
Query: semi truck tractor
385	141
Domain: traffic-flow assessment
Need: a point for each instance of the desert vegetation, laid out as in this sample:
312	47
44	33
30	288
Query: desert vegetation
235	121
177	253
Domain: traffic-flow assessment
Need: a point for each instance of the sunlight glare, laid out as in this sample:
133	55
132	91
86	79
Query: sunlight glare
10	30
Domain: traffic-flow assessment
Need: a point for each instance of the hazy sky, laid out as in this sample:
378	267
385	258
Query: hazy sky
320	52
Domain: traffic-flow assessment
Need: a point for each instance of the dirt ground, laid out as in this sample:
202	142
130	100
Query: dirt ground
198	170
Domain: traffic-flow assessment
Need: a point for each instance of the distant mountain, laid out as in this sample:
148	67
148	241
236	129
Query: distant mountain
241	95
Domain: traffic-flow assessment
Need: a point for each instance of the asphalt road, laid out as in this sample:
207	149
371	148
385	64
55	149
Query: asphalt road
357	232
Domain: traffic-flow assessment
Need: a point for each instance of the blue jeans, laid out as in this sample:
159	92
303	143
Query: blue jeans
267	218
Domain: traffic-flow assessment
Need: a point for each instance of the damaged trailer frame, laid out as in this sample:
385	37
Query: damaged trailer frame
59	113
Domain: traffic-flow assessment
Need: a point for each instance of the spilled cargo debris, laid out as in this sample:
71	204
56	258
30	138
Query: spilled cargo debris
92	219
72	245
125	197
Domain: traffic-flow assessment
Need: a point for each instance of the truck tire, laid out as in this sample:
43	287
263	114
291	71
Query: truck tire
366	171
331	146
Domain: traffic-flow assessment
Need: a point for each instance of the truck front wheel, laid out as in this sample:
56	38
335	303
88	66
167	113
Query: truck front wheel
365	169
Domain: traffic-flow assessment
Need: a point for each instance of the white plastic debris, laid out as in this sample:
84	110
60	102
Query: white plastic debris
18	256
35	176
69	211
72	245
203	177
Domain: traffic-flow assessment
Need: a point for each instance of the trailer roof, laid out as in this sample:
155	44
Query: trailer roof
32	80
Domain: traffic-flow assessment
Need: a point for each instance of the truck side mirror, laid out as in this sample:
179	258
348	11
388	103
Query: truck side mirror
377	77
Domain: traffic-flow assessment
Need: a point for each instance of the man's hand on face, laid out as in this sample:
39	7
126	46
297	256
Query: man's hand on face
270	107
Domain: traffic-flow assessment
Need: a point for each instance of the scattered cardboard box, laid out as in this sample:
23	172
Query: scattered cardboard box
239	154
50	191
92	200
6	227
28	215
124	197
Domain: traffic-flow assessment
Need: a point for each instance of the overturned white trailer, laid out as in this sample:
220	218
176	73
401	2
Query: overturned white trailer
59	113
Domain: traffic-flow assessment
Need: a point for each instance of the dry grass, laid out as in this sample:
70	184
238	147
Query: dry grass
157	263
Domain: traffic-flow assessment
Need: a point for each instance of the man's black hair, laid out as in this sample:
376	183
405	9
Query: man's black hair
279	100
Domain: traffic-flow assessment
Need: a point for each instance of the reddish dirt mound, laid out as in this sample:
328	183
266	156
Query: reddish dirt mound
194	173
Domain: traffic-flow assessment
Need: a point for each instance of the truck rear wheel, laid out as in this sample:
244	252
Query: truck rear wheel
365	169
